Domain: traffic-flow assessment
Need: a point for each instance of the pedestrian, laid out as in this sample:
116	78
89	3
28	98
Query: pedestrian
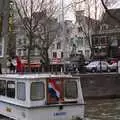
13	64
0	68
19	67
8	65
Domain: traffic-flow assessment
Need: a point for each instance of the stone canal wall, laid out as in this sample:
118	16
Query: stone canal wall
100	85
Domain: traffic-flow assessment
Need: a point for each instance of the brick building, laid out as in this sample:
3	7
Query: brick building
106	42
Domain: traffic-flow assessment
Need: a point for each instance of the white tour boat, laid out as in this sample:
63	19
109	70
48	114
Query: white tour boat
41	97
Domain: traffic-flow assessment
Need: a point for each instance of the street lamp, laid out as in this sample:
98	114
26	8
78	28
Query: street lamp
99	48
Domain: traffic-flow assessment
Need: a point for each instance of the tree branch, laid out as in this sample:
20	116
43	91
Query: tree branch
107	10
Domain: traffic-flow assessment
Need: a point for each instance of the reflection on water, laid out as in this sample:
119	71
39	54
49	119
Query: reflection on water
102	109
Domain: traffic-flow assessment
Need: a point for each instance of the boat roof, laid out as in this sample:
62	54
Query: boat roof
35	76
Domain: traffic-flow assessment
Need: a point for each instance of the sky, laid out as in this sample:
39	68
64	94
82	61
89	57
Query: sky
69	15
68	12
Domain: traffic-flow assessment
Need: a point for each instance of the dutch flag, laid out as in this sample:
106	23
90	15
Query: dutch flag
53	89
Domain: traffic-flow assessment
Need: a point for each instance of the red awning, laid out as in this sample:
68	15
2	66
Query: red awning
33	64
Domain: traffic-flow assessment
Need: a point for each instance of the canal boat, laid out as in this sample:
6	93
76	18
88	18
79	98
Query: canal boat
41	97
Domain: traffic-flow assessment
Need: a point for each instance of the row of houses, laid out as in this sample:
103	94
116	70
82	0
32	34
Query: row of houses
92	38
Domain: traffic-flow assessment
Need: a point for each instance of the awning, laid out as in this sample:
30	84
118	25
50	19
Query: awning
33	63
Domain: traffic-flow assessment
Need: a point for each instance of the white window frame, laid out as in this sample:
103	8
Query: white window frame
35	98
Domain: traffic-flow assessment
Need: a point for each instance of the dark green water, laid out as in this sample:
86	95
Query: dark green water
102	109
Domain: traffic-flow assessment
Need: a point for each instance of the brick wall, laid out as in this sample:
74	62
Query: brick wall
100	85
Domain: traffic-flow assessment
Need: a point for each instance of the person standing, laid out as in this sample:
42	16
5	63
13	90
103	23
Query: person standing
8	65
19	67
0	68
13	65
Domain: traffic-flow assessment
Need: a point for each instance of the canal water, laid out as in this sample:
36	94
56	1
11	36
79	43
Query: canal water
102	109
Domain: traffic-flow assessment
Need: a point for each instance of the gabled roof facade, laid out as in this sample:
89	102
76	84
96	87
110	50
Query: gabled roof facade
107	19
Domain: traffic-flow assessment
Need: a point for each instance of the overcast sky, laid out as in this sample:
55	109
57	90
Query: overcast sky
70	14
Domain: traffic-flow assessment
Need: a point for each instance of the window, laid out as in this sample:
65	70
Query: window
19	41
58	45
96	41
24	40
68	31
114	40
103	41
79	29
37	91
71	89
104	27
62	55
19	51
2	87
24	52
11	89
21	92
79	41
54	55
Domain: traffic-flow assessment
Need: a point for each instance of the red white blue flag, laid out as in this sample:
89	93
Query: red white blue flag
53	89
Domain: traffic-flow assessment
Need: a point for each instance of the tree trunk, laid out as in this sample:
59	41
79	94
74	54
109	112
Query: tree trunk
29	52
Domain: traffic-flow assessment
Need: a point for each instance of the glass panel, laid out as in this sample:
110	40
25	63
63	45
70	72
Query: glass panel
11	89
2	87
71	89
21	92
37	91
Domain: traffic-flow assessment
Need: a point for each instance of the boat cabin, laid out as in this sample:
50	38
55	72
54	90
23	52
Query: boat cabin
19	92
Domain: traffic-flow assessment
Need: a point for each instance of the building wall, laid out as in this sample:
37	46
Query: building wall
106	44
79	39
100	85
110	32
63	52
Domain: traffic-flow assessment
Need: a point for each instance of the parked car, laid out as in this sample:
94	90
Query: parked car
113	64
112	60
97	66
112	67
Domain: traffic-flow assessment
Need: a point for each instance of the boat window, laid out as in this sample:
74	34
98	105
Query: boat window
37	91
2	87
71	89
21	92
11	89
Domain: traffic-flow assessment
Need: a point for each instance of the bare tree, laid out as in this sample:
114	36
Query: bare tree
31	13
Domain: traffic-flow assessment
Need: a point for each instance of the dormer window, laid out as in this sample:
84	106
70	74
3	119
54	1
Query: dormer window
79	29
58	45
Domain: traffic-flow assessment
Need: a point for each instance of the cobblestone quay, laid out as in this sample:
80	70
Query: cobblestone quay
100	85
